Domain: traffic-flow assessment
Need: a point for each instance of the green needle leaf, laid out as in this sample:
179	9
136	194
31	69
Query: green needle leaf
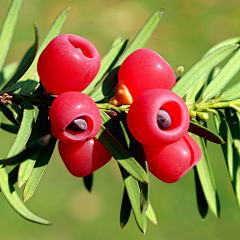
136	150
27	152
9	114
41	127
201	200
138	42
204	65
223	77
10	128
231	148
234	40
25	128
7	72
15	202
206	178
195	91
231	93
121	155
38	170
205	133
8	29
134	196
125	209
53	32
25	66
107	62
143	35
151	214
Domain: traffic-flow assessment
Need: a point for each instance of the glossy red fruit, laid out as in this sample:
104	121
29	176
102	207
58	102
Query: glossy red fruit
82	159
68	63
142	70
172	162
69	107
142	118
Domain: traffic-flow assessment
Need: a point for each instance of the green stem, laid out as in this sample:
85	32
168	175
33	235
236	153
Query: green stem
215	104
106	107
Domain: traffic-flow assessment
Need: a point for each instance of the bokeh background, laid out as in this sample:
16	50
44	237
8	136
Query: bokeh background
187	30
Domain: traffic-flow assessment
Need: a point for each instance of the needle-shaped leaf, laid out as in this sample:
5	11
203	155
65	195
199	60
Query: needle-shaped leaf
223	77
136	150
233	40
17	111
205	133
231	93
39	168
134	195
201	200
10	128
7	72
88	182
9	114
20	72
231	149
12	175
41	127
125	209
25	154
15	202
120	153
6	186
132	185
206	177
25	128
106	63
196	90
151	214
138	42
204	65
8	29
143	35
53	32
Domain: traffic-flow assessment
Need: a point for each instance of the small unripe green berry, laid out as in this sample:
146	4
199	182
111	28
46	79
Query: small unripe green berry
192	113
203	115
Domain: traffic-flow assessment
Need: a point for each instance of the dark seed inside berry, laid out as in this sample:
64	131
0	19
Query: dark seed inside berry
78	125
163	119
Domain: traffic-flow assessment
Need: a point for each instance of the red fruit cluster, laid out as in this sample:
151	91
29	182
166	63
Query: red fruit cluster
157	117
67	66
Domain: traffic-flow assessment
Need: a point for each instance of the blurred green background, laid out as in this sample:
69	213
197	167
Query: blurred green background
187	30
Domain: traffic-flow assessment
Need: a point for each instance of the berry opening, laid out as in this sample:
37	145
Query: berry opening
73	131
82	46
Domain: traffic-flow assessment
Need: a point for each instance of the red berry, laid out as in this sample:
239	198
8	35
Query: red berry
81	159
142	70
143	114
68	63
173	161
74	116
